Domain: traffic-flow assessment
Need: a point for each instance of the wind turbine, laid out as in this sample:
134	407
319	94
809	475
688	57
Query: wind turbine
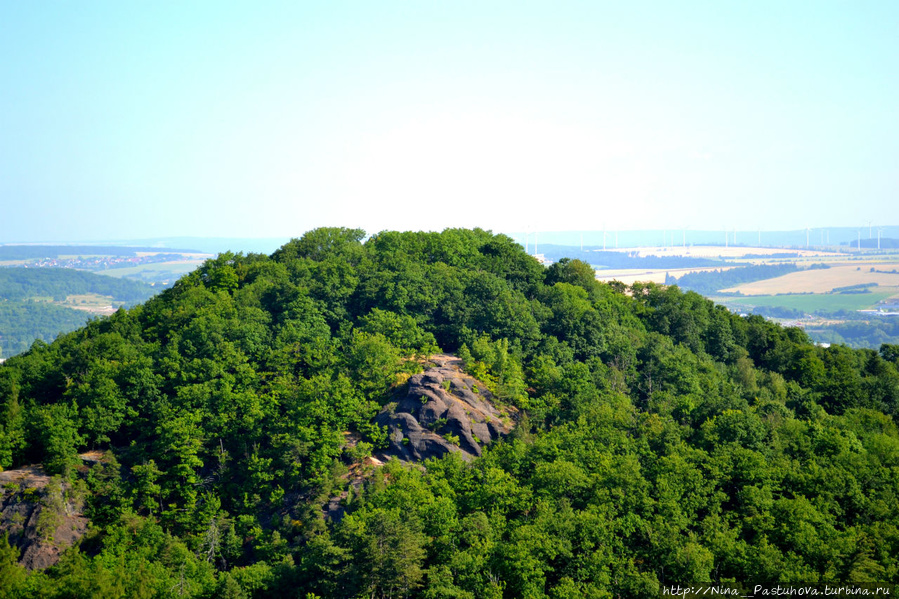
879	231
807	230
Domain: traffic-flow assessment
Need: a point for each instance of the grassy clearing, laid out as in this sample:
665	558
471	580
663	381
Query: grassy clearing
811	302
87	301
92	303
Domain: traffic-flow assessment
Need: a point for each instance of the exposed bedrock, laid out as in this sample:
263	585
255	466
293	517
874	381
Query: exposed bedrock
443	410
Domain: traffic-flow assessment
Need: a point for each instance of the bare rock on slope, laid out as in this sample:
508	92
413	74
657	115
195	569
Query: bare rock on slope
39	515
443	410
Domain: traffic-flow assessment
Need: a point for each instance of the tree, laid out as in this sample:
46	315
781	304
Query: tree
571	271
55	428
387	553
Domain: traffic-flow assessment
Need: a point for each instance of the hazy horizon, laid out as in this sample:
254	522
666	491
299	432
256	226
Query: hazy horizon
818	237
128	121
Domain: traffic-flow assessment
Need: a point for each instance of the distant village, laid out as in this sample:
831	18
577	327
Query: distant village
103	262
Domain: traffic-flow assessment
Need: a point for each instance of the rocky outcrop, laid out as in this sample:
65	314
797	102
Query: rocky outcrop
40	516
442	410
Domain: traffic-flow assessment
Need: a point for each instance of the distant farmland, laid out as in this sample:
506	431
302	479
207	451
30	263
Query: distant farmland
731	252
828	302
157	271
629	276
822	280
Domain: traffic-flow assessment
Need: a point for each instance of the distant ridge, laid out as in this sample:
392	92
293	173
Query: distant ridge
202	245
832	237
33	251
217	245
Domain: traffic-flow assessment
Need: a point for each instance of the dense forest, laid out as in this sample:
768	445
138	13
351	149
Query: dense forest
659	439
21	323
859	333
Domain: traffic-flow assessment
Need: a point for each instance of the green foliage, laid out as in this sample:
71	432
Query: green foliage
494	363
24	322
12	575
574	272
54	429
659	438
401	331
386	552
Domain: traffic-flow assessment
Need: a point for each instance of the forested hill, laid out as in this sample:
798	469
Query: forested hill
17	284
26	313
660	439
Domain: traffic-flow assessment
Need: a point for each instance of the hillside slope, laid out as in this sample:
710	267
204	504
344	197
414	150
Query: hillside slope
660	439
40	303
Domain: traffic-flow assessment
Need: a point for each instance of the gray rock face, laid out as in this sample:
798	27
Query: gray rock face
38	526
443	411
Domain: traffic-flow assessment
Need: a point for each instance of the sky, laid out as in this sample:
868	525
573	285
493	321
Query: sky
128	120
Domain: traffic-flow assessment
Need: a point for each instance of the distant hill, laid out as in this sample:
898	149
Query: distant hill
885	243
125	247
218	245
31	298
607	259
58	283
22	323
748	237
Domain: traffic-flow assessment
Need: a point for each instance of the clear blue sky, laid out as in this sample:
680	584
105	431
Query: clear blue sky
138	119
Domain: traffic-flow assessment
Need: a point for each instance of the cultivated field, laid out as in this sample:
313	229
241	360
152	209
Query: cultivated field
828	302
90	302
629	276
823	280
87	302
154	272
